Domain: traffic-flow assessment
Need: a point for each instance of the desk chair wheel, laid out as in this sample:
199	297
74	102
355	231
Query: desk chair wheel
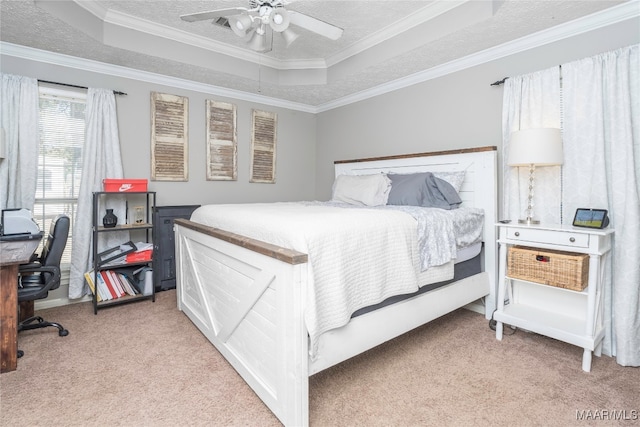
36	322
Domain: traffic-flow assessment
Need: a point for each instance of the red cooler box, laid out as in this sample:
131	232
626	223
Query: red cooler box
124	185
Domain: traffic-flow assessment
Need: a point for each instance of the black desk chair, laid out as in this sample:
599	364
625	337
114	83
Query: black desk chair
42	274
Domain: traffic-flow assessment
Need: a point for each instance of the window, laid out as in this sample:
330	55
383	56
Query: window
61	130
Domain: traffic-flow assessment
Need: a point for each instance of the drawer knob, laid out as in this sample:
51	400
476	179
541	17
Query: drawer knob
517	233
572	239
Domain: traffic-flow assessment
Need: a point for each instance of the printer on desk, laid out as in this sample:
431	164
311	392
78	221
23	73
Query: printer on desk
19	236
18	224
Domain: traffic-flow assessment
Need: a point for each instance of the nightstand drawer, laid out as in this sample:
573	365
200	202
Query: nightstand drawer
567	238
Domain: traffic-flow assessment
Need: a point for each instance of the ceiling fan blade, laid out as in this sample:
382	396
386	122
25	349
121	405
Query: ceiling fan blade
202	16
315	25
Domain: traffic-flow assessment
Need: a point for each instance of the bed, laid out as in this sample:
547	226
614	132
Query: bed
251	298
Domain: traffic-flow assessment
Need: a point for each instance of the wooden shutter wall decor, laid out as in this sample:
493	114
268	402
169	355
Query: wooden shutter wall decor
221	141
169	137
263	147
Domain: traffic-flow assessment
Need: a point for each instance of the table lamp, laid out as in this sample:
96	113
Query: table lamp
534	147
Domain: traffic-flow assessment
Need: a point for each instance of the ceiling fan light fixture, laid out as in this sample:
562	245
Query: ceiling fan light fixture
258	41
279	20
257	23
289	36
240	24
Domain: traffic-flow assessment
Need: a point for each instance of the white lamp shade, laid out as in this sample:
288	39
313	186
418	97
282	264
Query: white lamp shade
540	147
240	24
258	42
279	20
289	36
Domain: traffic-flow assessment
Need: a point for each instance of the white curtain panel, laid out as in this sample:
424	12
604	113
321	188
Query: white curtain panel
18	171
601	97
101	159
531	101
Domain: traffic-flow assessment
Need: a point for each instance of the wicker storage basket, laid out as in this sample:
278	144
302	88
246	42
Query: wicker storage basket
555	268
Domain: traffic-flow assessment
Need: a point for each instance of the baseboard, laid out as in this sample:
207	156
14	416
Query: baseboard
476	306
60	296
59	302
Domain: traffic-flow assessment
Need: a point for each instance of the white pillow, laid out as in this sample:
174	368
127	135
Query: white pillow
454	178
368	190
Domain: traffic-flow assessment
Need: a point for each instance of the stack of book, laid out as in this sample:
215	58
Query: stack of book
113	284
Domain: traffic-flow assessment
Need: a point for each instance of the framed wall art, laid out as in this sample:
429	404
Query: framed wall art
169	137
263	146
222	143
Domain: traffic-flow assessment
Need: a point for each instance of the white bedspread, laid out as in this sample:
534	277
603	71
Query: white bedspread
357	257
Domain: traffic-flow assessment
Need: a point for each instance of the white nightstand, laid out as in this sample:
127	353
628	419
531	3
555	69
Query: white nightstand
566	315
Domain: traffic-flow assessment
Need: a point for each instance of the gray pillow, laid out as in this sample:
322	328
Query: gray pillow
422	189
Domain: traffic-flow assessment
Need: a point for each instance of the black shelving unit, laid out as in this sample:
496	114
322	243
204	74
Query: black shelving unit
98	231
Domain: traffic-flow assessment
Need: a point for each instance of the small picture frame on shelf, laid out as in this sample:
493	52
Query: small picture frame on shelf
138	215
114	253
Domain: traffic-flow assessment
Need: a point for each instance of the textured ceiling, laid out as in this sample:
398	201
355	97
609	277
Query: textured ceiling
383	40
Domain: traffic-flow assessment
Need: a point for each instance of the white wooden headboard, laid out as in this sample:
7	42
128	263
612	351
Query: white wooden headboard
480	187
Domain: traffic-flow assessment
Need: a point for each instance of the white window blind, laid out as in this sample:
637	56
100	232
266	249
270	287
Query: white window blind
62	133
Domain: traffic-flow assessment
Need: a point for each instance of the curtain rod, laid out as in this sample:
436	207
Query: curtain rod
78	87
499	82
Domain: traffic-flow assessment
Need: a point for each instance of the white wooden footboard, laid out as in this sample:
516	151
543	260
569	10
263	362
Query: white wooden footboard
250	306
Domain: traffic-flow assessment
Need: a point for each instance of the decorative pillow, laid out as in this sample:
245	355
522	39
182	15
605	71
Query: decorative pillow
454	178
368	190
422	189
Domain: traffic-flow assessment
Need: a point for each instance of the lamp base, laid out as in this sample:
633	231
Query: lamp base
528	221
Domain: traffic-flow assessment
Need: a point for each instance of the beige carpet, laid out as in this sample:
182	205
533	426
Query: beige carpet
145	364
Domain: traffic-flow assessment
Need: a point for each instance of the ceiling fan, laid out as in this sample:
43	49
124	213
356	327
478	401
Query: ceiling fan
258	22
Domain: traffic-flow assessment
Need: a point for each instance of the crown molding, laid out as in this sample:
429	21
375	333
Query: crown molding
614	15
62	60
418	17
120	19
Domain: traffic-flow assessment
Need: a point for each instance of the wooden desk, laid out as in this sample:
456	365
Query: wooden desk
12	254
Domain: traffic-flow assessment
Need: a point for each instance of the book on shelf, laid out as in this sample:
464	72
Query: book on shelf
135	276
103	290
116	282
110	286
124	282
88	276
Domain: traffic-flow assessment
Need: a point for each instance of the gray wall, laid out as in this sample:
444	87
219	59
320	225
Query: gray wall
295	163
458	110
